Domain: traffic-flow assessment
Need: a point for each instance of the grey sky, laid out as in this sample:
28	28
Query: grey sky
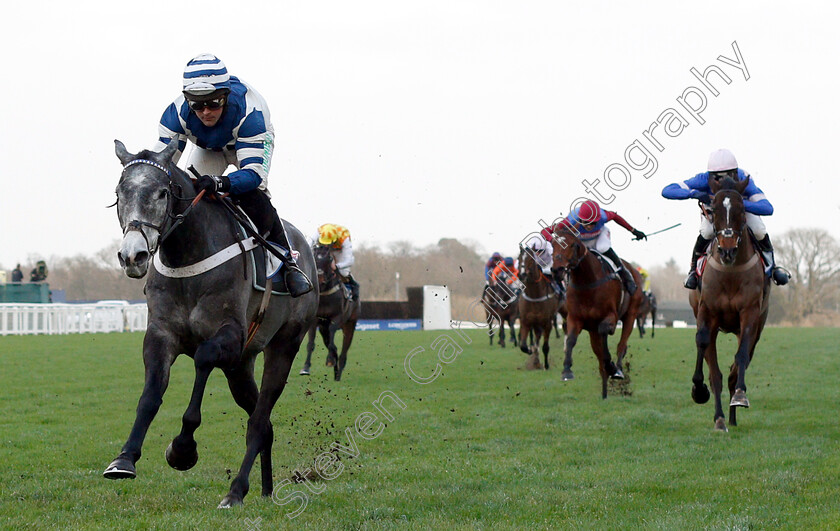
421	120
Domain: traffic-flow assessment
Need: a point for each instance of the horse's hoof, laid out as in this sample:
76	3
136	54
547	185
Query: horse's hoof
229	501
183	458
720	425
568	375
739	399
330	362
120	468
618	375
304	372
700	395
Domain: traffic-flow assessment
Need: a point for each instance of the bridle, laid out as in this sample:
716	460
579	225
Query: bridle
171	197
580	256
726	232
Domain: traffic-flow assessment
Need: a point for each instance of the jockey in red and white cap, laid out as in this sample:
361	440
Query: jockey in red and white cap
589	220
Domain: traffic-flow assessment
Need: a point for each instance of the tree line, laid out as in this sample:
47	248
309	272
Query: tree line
812	256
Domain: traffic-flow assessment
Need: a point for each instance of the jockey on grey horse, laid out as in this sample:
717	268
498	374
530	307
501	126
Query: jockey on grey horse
229	124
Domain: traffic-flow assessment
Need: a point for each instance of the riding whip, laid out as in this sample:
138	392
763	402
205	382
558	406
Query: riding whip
663	230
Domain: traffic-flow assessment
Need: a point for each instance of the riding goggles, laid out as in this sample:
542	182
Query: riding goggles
218	103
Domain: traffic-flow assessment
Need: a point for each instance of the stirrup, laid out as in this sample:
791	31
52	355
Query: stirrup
784	277
691	280
297	290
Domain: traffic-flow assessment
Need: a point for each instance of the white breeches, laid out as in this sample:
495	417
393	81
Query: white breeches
753	222
209	162
601	243
542	252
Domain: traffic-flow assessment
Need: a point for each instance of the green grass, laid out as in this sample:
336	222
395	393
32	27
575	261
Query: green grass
486	445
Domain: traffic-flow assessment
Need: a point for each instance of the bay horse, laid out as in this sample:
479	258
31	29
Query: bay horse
732	298
595	300
335	312
648	307
538	307
202	302
500	303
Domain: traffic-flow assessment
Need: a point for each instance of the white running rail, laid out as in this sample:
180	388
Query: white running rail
28	319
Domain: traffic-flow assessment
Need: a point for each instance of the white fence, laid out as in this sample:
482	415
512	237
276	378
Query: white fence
21	319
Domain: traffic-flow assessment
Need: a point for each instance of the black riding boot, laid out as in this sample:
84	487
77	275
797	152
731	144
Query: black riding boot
559	286
626	276
779	274
354	287
259	208
296	280
700	245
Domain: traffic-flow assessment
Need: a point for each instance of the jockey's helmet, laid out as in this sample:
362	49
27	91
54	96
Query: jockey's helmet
589	212
328	234
509	261
496	256
205	78
722	160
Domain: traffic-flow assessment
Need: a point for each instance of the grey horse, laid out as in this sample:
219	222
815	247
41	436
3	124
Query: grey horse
201	303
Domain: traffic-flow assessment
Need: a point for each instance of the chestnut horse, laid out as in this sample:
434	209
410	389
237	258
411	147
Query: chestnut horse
538	306
595	300
732	297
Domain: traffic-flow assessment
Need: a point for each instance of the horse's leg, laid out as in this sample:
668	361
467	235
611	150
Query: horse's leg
626	331
310	347
733	378
159	352
513	334
598	342
524	330
243	387
746	346
652	322
223	349
502	332
324	329
347	330
546	336
490	326
715	377
702	340
572	332
279	355
605	329
332	355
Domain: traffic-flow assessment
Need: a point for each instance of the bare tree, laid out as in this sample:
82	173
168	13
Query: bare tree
666	282
812	256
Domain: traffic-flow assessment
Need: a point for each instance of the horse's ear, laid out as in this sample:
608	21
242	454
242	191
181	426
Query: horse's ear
169	150
714	184
742	185
122	153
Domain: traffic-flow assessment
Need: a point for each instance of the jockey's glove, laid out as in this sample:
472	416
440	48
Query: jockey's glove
639	234
704	198
212	183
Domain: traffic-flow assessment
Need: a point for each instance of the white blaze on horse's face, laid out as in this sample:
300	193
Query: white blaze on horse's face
143	199
727	204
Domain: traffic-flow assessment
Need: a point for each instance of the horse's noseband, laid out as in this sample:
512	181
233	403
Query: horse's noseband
138	225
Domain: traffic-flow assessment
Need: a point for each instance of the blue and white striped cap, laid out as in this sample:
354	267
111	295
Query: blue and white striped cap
204	75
